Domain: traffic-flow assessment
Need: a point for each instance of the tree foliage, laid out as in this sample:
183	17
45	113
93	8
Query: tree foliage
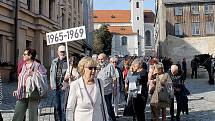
102	40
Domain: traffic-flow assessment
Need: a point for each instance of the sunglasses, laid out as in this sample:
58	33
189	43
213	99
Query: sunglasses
92	68
25	54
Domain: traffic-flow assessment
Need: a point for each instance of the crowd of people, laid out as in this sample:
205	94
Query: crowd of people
93	88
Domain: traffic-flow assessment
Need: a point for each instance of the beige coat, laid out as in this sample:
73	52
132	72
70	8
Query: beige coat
80	107
161	81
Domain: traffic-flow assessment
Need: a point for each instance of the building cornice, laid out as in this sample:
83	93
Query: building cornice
186	1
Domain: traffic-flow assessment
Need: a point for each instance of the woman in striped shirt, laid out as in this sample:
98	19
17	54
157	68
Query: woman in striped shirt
23	92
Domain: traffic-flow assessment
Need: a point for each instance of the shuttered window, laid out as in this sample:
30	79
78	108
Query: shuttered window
208	8
178	29
178	10
195	28
209	27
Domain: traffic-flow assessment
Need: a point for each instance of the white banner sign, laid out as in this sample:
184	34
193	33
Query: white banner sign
66	35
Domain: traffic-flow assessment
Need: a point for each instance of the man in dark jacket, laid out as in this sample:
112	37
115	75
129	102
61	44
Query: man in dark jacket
184	67
176	76
194	66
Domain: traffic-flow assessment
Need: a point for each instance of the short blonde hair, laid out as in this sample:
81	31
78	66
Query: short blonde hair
138	62
159	65
82	63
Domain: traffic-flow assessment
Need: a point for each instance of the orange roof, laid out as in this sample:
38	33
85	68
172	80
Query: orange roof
119	16
115	16
123	30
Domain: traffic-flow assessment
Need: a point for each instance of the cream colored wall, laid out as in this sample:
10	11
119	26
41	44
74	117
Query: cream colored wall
179	48
33	26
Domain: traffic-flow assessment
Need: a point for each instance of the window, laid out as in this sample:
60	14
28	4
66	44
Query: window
139	43
69	22
195	28
208	8
124	41
138	31
29	4
178	10
40	6
138	18
195	9
51	10
178	29
28	44
1	46
137	5
63	18
148	38
209	27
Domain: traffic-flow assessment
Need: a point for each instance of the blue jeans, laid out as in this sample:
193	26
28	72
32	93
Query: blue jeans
108	100
59	106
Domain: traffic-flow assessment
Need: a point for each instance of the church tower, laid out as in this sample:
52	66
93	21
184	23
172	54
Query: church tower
137	20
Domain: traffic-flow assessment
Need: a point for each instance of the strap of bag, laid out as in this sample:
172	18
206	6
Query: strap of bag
102	101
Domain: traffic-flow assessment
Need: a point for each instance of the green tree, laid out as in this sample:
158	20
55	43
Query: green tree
102	40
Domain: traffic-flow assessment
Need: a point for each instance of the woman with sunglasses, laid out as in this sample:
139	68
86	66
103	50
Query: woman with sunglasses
23	93
86	97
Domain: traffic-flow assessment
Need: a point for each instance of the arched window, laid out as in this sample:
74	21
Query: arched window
148	38
124	40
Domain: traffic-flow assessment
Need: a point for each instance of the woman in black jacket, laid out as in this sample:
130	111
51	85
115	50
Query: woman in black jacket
140	94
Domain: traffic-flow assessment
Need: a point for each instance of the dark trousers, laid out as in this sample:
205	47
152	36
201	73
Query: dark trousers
179	108
194	72
108	100
185	74
172	109
1	119
59	107
139	107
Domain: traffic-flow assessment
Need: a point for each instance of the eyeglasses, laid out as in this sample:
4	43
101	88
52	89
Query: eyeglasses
25	54
92	68
62	51
114	62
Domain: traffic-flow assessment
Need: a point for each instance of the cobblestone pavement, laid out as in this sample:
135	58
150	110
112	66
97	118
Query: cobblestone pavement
201	103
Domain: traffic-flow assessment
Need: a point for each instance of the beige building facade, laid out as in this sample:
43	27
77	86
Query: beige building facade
35	18
184	28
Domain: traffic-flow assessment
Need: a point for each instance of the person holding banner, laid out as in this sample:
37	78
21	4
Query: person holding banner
72	74
57	73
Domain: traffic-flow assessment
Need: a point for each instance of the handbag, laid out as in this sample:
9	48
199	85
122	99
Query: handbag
164	95
103	107
39	84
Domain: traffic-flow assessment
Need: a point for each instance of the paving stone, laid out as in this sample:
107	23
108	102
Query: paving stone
201	103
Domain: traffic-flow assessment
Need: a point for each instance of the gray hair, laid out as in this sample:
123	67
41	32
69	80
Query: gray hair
138	62
113	59
159	65
174	68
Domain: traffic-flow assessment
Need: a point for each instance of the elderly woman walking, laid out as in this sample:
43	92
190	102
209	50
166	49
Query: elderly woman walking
27	93
161	98
137	89
86	97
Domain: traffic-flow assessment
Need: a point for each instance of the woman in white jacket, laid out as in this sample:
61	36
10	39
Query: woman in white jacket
86	97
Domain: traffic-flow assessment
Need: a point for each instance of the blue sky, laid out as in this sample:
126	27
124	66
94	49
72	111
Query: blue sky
119	4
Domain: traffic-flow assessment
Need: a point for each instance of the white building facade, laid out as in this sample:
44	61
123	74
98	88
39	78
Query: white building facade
129	28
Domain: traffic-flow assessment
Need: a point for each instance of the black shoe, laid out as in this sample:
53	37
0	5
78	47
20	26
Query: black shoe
177	118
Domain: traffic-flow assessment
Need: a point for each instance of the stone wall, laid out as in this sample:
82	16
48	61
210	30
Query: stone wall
179	48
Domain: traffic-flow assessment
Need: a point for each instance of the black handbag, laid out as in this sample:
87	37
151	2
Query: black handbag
129	108
185	91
